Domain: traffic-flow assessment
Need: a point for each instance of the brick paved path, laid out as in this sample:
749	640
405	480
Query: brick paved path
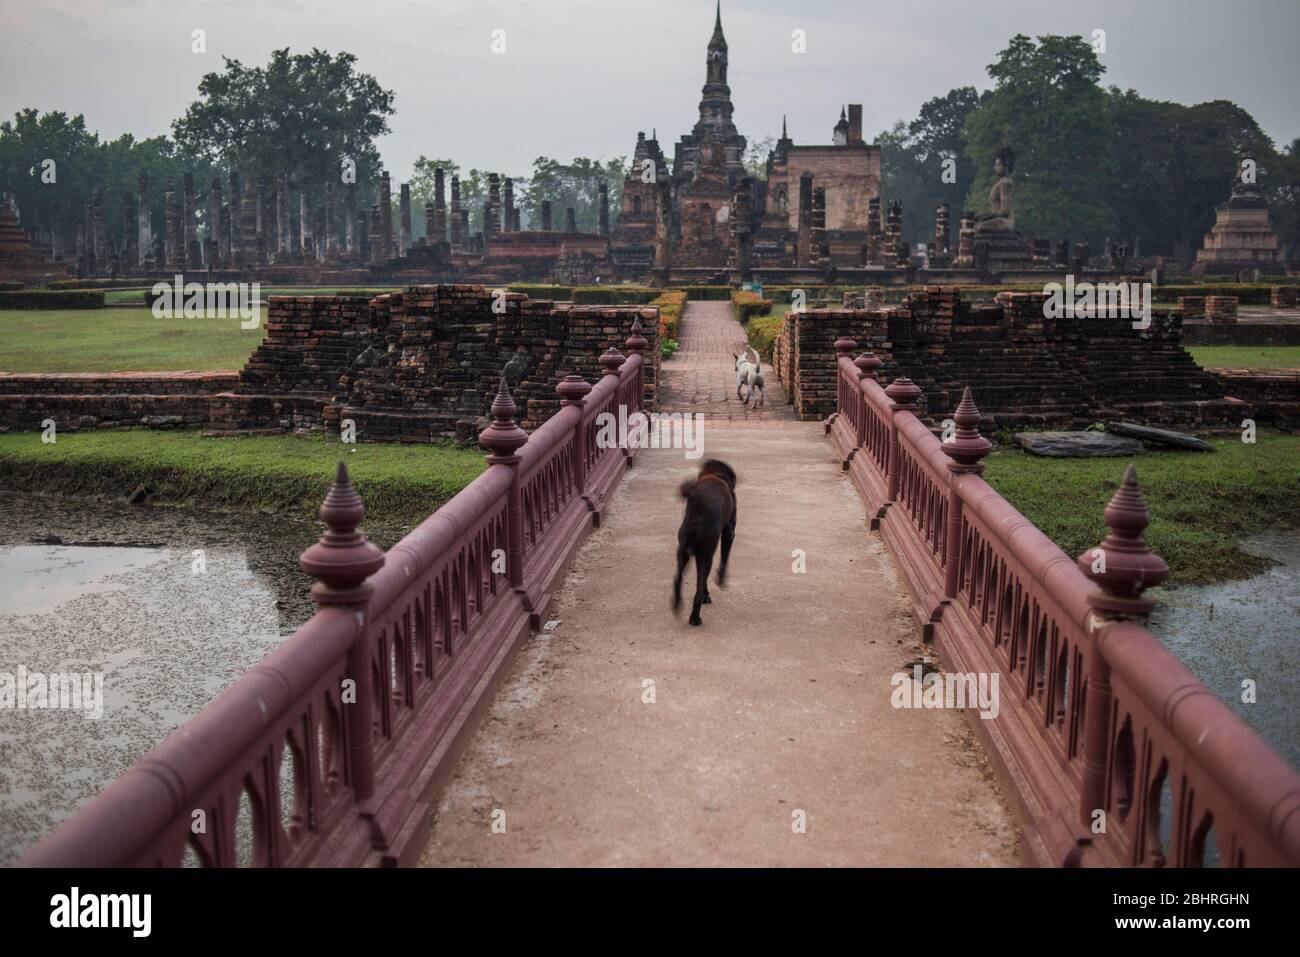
623	736
701	377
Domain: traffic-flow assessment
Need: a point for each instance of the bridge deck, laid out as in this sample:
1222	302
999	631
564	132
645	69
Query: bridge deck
780	703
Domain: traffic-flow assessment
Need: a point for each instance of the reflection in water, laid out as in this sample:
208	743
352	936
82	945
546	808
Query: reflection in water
39	578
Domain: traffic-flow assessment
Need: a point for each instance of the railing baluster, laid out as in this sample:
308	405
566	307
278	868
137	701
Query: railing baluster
341	562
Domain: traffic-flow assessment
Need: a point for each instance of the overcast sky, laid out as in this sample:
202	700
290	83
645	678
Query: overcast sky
581	77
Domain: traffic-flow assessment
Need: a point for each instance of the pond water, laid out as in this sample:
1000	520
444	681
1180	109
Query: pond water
1246	630
170	605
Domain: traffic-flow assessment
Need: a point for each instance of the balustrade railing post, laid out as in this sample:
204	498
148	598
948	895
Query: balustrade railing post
844	347
502	439
867	364
965	448
611	360
636	345
573	390
1123	567
341	562
903	393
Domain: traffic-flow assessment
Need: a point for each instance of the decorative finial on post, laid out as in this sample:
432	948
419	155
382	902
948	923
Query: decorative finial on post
867	364
573	389
1123	566
610	361
904	393
343	558
967	446
503	437
844	345
636	342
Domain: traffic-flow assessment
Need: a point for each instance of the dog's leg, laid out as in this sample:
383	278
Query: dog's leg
703	564
728	536
683	554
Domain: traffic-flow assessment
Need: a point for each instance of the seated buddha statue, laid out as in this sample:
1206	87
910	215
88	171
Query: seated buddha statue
1001	216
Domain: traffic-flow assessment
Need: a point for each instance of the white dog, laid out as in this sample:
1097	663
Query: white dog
750	375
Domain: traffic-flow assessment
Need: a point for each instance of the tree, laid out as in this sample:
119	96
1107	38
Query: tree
1165	192
924	163
1048	105
302	114
82	164
28	144
1282	189
575	184
756	156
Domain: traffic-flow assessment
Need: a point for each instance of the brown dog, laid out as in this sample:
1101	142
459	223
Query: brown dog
710	518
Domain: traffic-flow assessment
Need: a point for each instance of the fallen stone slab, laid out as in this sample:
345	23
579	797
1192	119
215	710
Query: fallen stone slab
1159	436
1077	445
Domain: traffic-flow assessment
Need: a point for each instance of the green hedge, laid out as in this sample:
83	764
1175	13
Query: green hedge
97	283
707	293
762	332
1248	294
615	295
747	305
11	286
534	290
44	299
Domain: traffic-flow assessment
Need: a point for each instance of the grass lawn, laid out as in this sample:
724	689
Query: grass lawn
1202	503
1246	357
399	483
120	340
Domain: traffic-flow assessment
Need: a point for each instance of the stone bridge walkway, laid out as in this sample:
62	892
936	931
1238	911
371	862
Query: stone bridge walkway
625	737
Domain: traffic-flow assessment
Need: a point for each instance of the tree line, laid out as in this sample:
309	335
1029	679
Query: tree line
1092	162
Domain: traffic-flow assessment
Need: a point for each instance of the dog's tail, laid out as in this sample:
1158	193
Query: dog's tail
758	361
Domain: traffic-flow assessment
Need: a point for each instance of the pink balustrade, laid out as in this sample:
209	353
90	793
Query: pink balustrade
1112	751
338	740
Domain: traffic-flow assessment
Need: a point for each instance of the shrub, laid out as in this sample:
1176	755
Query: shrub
10	286
615	295
542	291
763	332
97	283
746	305
707	293
670	306
45	299
667	347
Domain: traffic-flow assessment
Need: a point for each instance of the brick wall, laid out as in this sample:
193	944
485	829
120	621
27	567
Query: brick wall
1024	369
109	400
418	365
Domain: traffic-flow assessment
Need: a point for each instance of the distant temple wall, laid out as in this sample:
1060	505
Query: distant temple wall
850	175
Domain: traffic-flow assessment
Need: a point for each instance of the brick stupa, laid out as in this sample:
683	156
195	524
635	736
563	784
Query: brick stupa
1241	238
19	259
